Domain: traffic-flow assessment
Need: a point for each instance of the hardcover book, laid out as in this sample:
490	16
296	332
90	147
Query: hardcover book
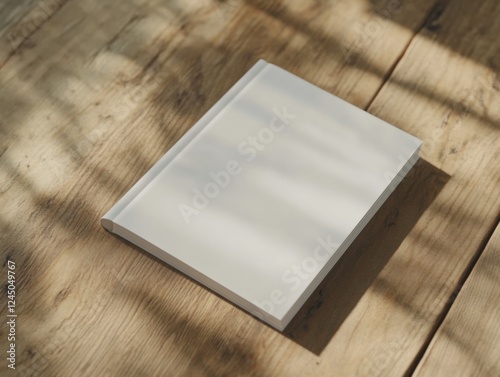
263	195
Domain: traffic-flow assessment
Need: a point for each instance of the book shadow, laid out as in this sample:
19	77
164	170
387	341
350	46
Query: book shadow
330	304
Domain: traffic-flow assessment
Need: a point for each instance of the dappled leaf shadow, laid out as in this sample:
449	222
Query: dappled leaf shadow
185	84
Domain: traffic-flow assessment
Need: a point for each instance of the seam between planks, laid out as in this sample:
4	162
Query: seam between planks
460	284
434	13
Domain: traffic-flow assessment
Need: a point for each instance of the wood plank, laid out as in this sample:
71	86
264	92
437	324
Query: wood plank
467	342
102	79
444	91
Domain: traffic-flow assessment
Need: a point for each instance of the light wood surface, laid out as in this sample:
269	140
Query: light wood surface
468	341
92	93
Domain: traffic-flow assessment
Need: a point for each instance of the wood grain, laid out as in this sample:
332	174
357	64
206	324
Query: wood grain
467	343
444	91
92	96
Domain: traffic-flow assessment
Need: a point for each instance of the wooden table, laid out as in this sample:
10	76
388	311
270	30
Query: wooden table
94	92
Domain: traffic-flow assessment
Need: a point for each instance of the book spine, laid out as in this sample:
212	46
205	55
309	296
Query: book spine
108	219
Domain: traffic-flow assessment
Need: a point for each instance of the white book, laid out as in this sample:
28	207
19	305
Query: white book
263	195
